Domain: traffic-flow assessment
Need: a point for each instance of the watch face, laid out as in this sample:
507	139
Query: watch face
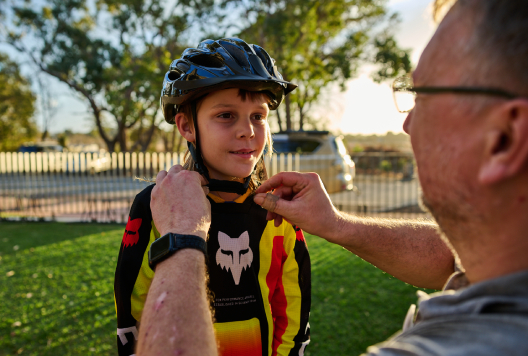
160	247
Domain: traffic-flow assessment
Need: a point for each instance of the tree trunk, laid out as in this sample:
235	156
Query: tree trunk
121	137
110	144
279	120
301	118
288	113
145	143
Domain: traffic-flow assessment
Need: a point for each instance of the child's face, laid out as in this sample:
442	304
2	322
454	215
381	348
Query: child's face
232	133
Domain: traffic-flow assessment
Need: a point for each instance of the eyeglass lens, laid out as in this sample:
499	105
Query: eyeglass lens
403	96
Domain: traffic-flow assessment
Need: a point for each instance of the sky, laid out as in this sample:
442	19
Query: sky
364	108
367	107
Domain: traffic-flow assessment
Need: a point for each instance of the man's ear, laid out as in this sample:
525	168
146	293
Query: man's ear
185	127
506	143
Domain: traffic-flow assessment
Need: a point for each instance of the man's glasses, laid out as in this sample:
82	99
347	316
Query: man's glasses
404	92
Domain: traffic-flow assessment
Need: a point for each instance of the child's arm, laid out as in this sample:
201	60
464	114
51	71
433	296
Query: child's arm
133	276
290	304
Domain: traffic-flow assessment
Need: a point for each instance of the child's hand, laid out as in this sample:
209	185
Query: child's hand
178	203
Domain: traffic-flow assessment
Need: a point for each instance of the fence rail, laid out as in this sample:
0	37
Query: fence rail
101	187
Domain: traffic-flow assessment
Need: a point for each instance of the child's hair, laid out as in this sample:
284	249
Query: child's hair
259	175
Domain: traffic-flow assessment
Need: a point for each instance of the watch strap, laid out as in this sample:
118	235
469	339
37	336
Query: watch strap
177	242
189	241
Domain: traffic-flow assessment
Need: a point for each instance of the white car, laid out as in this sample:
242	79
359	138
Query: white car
320	152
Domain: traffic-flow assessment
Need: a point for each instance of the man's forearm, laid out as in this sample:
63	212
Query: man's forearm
176	319
411	251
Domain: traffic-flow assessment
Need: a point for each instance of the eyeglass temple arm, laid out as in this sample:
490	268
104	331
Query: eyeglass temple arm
469	90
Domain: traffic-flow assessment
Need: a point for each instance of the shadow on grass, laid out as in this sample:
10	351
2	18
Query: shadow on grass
19	236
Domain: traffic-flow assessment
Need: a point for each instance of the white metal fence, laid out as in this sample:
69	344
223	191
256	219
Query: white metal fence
101	187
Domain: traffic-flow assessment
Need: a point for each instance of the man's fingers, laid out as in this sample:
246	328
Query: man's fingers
175	169
270	202
203	181
288	179
277	220
161	176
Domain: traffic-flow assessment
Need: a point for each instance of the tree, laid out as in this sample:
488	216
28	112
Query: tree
17	105
113	55
316	43
48	106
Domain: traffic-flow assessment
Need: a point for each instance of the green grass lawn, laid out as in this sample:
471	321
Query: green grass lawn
57	293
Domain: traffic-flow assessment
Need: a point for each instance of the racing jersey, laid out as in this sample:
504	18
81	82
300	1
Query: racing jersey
259	278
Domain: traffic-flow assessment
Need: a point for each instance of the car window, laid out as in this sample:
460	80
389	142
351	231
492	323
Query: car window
295	146
28	149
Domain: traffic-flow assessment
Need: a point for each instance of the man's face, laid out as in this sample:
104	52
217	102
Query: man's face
443	127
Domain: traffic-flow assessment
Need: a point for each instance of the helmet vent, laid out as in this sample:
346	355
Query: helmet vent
173	75
209	61
262	55
237	54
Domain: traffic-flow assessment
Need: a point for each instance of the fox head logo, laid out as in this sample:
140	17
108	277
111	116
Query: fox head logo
234	254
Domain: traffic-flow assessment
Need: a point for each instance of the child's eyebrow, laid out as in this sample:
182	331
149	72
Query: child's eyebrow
223	105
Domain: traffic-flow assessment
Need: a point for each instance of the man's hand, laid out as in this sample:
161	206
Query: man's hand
178	203
303	202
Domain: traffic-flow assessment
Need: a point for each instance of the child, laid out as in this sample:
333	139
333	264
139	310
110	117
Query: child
219	95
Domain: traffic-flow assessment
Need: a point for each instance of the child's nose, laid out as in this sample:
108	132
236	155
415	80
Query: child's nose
245	129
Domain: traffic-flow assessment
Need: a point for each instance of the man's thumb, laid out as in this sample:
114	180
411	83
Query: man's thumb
270	202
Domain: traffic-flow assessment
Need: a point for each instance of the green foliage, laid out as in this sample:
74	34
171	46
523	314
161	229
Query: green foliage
57	293
357	149
393	60
57	288
316	43
17	105
354	304
386	165
113	53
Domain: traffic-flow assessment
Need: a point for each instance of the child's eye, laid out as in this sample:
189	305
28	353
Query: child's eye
225	115
259	117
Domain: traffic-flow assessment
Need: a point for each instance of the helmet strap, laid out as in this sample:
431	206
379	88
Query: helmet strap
214	185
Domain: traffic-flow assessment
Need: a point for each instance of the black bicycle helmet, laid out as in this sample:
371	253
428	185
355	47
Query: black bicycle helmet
221	64
215	65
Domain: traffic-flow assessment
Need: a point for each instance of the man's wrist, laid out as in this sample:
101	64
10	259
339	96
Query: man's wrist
188	254
169	244
201	234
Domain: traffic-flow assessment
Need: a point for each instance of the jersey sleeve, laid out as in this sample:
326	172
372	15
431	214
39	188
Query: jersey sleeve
132	277
291	305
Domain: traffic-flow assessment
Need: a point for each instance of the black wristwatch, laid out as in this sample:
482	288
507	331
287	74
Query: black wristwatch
168	244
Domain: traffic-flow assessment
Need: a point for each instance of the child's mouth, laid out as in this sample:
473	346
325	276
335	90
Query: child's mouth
243	153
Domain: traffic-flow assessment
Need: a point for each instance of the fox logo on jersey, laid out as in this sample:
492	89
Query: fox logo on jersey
234	254
131	236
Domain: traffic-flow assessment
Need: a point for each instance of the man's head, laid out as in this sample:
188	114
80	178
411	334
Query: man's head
472	150
498	40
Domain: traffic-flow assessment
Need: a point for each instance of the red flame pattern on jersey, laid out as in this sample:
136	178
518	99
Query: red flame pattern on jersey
131	236
299	234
